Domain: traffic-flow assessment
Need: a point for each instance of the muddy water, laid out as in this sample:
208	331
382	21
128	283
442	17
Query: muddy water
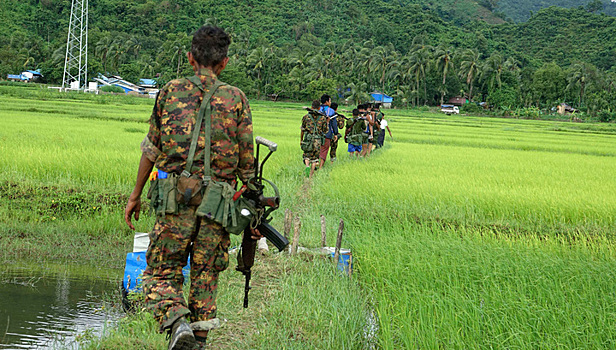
56	307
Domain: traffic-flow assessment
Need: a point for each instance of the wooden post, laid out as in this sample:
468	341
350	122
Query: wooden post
323	229
298	225
288	217
339	241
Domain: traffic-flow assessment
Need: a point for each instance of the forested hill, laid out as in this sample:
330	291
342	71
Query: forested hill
521	10
564	36
418	51
37	28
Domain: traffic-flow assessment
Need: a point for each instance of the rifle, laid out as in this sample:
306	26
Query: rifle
314	112
264	206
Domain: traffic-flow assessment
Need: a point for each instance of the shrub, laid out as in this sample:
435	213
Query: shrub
112	88
606	117
471	108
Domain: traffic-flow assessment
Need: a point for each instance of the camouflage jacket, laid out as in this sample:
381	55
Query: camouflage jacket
308	124
175	112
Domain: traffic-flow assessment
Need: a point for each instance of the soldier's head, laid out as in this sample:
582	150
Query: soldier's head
316	104
334	106
326	100
356	112
209	48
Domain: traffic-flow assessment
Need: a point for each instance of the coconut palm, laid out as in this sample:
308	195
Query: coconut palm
358	93
443	59
102	49
469	69
492	70
580	76
419	64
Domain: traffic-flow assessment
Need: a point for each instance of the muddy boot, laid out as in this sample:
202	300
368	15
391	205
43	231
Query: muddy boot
182	337
200	344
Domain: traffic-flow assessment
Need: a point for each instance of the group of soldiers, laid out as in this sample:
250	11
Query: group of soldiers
364	131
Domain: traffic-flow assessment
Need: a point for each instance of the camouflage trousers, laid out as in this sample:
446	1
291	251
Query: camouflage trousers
172	239
333	148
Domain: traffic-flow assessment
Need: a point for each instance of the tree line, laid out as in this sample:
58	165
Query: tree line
402	50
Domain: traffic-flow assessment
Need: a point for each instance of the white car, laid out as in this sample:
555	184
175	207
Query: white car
450	109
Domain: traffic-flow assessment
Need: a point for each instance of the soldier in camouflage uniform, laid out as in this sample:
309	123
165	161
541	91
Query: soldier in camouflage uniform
313	124
340	122
174	236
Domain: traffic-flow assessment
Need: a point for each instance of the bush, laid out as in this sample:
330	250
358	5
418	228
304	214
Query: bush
112	88
471	108
606	117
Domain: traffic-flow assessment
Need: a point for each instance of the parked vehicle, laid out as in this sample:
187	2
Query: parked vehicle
450	109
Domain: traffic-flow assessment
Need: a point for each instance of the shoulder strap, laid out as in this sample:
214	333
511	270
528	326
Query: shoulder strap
314	123
205	111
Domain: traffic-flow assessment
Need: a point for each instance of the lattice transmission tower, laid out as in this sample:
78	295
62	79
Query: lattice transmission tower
76	61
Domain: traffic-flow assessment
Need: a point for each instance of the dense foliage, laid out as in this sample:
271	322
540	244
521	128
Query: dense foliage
521	10
419	53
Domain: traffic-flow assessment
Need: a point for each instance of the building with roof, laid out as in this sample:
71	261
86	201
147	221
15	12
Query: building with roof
458	101
26	76
384	100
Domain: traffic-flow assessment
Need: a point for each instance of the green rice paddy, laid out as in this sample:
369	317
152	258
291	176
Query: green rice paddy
466	232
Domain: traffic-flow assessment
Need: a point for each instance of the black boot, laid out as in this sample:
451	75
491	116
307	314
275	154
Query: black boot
182	337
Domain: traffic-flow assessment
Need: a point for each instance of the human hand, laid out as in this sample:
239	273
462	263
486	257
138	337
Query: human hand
255	234
132	207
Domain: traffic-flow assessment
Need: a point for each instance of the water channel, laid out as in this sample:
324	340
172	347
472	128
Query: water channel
55	307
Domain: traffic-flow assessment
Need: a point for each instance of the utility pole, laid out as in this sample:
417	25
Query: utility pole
76	61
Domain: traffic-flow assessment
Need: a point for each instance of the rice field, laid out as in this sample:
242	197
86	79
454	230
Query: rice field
466	232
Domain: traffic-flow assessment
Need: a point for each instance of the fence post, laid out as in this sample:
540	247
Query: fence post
323	231
288	215
298	225
339	241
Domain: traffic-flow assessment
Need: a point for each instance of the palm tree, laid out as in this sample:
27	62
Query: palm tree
380	62
102	49
581	74
492	70
469	69
134	45
443	59
357	93
419	65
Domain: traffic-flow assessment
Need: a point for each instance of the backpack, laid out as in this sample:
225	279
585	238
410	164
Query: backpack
307	144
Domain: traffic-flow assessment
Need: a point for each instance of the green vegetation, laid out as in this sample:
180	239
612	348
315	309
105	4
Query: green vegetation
466	232
421	53
521	10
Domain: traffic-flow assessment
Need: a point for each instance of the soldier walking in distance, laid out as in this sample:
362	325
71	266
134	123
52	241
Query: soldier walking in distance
178	231
340	124
313	123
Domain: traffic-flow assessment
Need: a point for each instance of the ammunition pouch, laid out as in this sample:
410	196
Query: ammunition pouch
218	205
246	212
189	190
356	138
163	195
309	142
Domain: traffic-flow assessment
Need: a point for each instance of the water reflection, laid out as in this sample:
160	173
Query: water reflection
57	308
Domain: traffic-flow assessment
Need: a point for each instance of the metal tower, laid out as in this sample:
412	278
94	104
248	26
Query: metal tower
76	62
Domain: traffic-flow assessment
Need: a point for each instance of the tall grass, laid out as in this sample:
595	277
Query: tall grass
467	232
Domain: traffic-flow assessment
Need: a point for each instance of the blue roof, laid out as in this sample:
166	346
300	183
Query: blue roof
147	82
381	97
35	72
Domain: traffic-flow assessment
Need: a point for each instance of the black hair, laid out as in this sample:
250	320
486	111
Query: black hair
316	104
325	98
334	106
210	45
356	111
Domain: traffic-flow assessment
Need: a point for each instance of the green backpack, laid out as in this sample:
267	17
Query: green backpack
308	141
